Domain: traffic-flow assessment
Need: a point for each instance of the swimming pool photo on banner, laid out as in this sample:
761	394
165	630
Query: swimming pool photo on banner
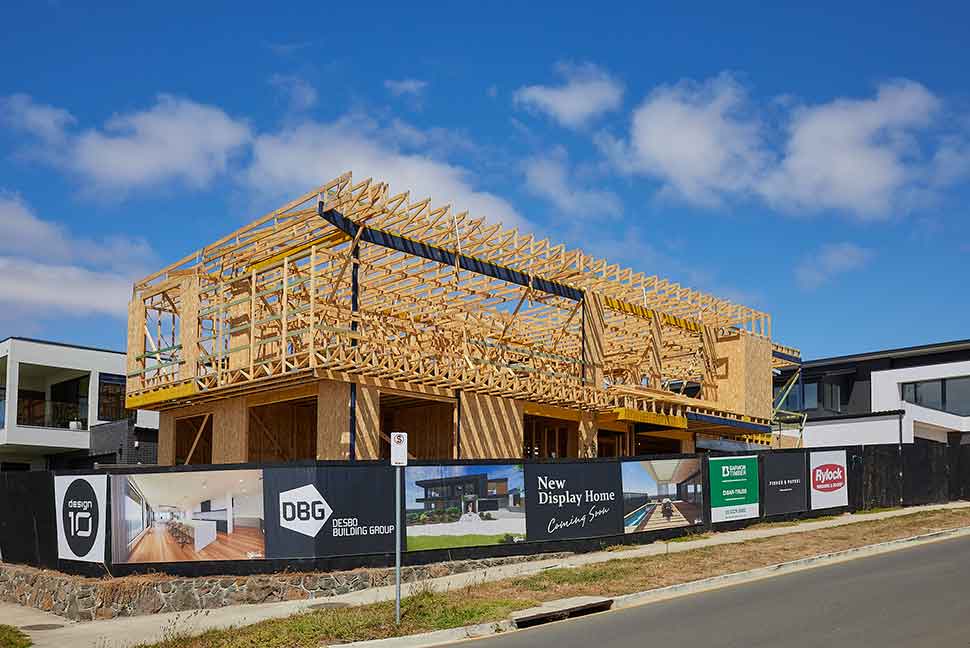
662	494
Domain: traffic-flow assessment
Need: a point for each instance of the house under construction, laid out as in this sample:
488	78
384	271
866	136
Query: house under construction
351	313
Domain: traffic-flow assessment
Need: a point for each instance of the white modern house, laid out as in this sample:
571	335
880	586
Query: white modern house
894	396
52	394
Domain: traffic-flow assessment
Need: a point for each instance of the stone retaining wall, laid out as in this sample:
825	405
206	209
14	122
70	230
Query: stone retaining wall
86	599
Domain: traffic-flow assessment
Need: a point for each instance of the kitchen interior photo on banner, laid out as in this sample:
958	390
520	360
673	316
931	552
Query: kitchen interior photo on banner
187	516
464	506
662	494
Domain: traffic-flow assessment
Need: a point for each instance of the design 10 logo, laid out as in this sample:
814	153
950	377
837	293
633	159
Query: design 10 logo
80	517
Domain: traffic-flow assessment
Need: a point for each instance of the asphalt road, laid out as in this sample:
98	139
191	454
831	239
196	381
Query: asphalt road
912	597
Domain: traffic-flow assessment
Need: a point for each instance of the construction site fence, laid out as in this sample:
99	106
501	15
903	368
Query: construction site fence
324	516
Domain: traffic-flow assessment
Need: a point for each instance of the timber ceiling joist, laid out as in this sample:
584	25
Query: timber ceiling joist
351	278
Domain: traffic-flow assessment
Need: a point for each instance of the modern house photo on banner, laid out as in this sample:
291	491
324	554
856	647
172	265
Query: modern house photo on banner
464	506
734	488
187	516
80	507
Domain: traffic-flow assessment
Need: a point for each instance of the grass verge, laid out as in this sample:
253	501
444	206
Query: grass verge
10	637
429	610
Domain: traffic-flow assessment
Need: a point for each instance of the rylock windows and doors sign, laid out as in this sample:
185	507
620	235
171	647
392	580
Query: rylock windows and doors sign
734	488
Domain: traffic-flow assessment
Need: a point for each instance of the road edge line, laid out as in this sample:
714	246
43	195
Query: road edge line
478	631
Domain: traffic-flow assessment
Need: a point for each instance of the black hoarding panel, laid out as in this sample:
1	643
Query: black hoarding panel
573	500
328	511
785	483
28	527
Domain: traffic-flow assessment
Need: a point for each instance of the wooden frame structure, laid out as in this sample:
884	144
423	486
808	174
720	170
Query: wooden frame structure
350	282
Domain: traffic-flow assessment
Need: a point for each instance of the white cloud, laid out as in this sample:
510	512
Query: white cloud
549	177
46	122
42	289
854	155
698	139
44	268
707	142
29	236
829	261
587	91
401	87
300	94
304	155
175	140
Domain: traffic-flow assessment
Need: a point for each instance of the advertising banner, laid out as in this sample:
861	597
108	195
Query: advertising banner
734	488
786	490
328	511
573	500
830	483
662	494
80	507
464	506
187	516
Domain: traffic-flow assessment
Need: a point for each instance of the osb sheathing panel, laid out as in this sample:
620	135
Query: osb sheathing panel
230	431
284	431
189	325
430	429
333	420
368	445
491	427
758	377
166	439
744	377
136	334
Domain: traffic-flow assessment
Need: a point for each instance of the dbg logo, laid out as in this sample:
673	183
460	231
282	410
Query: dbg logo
304	510
80	517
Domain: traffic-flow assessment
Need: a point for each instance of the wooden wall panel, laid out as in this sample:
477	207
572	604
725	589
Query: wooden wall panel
430	429
744	378
368	423
189	325
491	427
230	431
136	340
166	439
333	420
284	431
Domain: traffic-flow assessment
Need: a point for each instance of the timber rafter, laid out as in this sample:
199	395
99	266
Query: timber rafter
442	299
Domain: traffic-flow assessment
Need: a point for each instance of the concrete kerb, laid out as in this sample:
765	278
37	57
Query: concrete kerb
441	637
121	632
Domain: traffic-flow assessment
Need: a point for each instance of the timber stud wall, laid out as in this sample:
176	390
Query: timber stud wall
353	284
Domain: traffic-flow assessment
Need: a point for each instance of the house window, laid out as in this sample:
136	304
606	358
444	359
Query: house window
958	396
811	396
111	397
949	395
930	394
832	397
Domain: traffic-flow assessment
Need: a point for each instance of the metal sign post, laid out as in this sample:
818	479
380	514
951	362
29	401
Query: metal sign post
399	458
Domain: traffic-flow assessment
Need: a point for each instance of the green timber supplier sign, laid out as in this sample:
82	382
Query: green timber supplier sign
734	488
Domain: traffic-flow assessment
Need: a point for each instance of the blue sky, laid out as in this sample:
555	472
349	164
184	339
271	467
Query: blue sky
813	163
